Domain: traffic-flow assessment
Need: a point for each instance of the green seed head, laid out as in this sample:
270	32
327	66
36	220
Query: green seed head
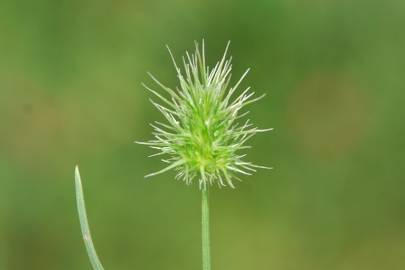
203	136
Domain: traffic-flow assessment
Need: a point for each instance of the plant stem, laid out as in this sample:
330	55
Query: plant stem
206	250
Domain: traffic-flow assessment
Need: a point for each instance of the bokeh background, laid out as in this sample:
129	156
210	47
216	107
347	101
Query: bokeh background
70	74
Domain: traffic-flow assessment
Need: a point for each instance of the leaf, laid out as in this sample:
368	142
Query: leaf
84	224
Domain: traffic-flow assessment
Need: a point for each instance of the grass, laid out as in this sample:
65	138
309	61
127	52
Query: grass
201	139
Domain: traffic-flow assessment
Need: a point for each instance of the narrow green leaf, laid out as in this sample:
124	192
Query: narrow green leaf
84	224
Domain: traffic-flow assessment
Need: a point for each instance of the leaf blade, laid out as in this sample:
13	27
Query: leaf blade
84	224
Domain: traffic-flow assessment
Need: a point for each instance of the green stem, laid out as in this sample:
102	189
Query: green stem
206	252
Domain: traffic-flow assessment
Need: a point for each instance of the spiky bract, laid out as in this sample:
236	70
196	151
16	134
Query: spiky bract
202	137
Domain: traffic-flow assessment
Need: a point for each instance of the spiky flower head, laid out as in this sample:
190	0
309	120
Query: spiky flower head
202	137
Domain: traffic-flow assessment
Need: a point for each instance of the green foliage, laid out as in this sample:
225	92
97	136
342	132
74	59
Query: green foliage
84	224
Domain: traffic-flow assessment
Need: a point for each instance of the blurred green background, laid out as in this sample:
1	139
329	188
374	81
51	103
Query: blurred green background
70	74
